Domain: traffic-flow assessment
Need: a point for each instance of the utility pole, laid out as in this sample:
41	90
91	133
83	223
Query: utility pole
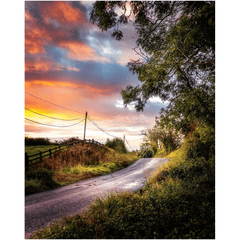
85	126
124	138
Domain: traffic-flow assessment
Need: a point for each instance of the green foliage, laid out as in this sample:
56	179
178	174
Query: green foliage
206	133
43	179
154	150
36	141
72	139
160	153
39	180
176	46
183	209
34	149
117	144
179	204
147	153
167	137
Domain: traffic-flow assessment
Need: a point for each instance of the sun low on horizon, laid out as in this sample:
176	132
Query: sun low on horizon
72	67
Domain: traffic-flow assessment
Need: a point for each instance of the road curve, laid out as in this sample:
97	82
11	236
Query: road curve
42	208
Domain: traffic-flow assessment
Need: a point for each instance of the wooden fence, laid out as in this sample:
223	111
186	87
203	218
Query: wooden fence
38	157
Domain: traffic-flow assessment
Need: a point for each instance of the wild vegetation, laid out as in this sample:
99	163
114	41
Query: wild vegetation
117	144
78	162
29	141
178	201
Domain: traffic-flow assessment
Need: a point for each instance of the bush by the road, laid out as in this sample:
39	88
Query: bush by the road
39	180
177	202
147	153
117	144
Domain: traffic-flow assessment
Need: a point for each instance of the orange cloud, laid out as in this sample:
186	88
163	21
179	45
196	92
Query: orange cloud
27	16
63	12
81	52
49	116
34	35
51	84
79	97
85	89
38	35
59	93
42	65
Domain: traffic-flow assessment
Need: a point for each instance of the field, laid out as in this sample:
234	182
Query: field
31	150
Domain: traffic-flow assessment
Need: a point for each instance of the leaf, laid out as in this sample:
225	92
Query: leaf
210	21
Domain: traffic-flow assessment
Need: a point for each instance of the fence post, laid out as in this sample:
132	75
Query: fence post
40	153
26	162
50	153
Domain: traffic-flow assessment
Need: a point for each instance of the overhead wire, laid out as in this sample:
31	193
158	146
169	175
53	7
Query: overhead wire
53	125
128	143
54	117
96	125
82	118
52	103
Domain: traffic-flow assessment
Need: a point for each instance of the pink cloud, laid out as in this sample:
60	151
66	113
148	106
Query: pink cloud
81	52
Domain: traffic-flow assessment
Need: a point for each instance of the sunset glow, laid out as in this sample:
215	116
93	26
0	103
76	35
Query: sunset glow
71	68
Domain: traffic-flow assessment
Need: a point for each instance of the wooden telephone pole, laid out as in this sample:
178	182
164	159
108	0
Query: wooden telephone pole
85	126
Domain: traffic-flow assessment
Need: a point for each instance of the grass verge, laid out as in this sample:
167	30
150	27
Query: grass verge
177	202
42	179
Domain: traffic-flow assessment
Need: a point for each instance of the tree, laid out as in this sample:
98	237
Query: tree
117	144
168	138
176	48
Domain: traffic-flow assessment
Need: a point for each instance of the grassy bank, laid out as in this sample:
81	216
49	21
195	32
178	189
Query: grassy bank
178	201
70	166
31	150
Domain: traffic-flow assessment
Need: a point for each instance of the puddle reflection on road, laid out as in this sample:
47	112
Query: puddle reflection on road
130	185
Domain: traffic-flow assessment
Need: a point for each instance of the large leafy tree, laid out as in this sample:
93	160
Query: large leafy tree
176	47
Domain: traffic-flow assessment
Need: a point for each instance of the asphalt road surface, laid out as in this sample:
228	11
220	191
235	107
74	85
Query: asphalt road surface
42	208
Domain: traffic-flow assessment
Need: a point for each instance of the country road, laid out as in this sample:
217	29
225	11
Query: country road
42	208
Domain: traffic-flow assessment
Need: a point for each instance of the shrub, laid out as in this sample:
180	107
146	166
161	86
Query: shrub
39	180
161	153
117	144
147	153
36	141
154	149
201	149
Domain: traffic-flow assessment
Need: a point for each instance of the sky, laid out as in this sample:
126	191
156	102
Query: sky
72	67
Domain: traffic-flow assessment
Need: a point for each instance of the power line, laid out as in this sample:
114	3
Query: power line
52	125
101	129
95	124
52	103
54	117
128	143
